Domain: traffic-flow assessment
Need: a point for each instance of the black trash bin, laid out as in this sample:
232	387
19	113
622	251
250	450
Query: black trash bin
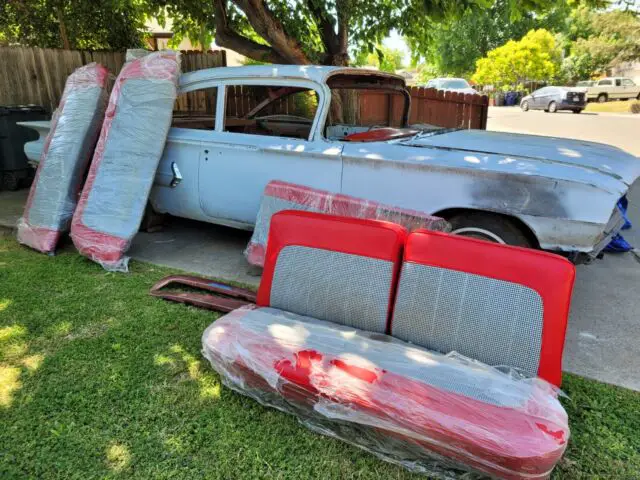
14	169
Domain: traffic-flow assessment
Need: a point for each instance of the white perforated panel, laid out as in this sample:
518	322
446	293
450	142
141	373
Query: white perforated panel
490	320
347	289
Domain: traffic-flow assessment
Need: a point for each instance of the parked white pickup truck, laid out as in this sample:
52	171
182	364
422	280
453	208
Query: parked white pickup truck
542	192
613	88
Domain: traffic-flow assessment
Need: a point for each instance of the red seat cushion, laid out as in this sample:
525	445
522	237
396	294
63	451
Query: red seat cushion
332	268
400	401
498	304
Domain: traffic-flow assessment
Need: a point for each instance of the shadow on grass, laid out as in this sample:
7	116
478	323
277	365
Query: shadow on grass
101	380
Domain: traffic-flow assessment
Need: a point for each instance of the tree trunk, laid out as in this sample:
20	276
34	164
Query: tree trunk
283	48
63	30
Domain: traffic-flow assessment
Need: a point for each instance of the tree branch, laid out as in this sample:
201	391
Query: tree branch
66	44
326	25
271	29
229	38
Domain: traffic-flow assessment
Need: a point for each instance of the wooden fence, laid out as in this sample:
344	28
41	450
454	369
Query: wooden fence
37	75
448	109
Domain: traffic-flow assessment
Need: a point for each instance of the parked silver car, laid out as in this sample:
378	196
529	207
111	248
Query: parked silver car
552	99
451	84
550	193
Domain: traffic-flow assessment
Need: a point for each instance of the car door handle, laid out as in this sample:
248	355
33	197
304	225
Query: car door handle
176	175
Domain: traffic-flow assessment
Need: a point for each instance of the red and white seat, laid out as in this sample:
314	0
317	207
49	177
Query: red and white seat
339	332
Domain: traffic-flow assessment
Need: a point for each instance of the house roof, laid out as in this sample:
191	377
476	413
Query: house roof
315	73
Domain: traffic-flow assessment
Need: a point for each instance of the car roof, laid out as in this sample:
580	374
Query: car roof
315	73
449	78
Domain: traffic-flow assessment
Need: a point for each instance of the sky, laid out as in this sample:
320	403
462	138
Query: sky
395	41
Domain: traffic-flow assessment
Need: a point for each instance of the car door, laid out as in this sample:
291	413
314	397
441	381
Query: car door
245	153
630	88
540	99
175	188
617	90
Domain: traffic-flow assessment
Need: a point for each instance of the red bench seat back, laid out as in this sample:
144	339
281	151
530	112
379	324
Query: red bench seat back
497	304
338	269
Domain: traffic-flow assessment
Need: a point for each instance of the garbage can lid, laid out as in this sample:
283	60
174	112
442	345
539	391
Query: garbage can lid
9	109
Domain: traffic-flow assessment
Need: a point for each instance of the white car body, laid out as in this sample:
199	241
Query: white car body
613	88
450	84
563	192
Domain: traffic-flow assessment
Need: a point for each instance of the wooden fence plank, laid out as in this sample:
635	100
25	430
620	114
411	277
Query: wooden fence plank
37	76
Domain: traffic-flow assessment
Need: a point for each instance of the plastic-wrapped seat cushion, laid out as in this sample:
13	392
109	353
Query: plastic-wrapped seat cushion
65	157
432	413
126	158
497	304
332	268
279	196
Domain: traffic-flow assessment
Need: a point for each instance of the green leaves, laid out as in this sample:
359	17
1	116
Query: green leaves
99	24
533	58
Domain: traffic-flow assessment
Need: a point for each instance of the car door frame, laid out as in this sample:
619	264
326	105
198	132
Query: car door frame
177	179
314	146
630	90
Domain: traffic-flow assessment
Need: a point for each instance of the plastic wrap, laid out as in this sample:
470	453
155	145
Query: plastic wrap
75	126
129	149
431	413
280	196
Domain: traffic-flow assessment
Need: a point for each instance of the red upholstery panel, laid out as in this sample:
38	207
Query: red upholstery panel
367	238
423	410
551	276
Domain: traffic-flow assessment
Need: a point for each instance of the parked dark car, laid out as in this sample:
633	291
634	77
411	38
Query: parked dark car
552	99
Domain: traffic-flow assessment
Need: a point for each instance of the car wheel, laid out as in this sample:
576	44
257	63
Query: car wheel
602	98
524	106
577	111
553	107
489	227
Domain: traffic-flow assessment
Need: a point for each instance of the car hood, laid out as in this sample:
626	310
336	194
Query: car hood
596	157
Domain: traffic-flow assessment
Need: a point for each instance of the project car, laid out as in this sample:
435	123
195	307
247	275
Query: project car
237	128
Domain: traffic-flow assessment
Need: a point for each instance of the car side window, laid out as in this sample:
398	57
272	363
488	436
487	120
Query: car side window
196	109
628	82
604	82
270	110
618	82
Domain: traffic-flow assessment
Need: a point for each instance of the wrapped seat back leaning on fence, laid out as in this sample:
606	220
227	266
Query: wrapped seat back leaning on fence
67	151
279	196
317	346
129	149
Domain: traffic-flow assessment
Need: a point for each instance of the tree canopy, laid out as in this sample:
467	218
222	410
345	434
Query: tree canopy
456	44
384	58
535	57
598	40
81	24
315	31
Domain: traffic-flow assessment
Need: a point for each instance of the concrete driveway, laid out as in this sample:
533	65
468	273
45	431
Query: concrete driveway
604	328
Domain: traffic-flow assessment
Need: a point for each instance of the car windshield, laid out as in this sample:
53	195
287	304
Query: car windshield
454	84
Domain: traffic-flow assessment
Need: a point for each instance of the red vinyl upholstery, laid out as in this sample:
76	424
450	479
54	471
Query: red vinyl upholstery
352	270
549	276
343	375
397	400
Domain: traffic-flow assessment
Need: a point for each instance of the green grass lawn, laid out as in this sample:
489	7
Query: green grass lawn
611	107
100	380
